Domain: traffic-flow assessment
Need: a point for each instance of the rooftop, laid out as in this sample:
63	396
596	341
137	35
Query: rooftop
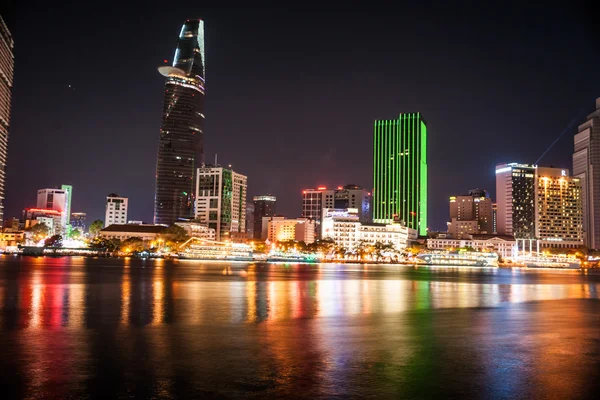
134	228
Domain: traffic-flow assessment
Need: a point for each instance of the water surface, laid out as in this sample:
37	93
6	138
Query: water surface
100	328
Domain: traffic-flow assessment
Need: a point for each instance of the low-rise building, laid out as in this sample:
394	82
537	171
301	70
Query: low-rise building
197	230
127	231
11	238
282	229
346	230
501	244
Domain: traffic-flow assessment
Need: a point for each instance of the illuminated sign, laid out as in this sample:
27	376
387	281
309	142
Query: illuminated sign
563	173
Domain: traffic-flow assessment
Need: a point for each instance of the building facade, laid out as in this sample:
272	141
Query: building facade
471	214
54	199
116	210
281	229
198	230
586	167
504	245
346	230
515	200
349	196
128	231
78	221
52	218
221	200
558	209
7	65
400	171
68	197
180	149
264	206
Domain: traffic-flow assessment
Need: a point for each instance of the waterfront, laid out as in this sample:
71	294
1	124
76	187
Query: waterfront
77	327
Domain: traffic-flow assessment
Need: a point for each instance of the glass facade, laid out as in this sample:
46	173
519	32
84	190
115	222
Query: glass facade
7	64
400	171
180	149
264	206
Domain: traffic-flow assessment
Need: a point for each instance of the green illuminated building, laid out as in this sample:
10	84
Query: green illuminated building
400	171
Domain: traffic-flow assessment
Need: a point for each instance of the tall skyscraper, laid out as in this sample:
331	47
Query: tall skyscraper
400	171
116	210
180	149
558	209
586	167
68	195
515	200
221	200
7	63
78	221
264	206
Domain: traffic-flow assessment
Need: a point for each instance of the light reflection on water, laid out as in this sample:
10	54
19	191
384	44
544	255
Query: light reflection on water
160	328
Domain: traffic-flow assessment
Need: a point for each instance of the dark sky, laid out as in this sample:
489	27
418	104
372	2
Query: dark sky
292	92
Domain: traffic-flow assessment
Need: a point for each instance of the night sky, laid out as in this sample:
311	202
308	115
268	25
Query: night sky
292	92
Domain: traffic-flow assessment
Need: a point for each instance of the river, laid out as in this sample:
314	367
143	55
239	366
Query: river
127	328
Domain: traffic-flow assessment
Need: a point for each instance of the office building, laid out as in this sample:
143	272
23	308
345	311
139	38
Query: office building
471	214
221	200
68	196
558	209
400	171
281	229
249	220
264	206
515	200
54	199
349	196
78	221
346	230
7	64
586	167
180	149
116	210
494	218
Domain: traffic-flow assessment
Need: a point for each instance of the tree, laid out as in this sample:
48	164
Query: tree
173	236
103	243
75	234
133	245
38	231
95	227
54	241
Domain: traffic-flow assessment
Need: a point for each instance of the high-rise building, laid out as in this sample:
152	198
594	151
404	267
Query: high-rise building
68	195
7	64
400	171
250	220
494	217
515	200
78	221
221	200
471	214
180	149
53	199
558	209
349	196
116	210
264	206
586	167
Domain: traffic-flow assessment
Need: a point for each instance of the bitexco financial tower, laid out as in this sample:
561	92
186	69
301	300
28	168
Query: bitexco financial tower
180	150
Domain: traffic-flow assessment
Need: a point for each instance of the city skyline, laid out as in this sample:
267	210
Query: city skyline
467	113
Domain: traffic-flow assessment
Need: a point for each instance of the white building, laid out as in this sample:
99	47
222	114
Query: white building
127	231
221	200
54	199
116	210
346	230
501	244
198	230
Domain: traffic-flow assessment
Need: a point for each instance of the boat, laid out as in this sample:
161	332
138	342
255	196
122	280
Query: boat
549	262
210	250
460	259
